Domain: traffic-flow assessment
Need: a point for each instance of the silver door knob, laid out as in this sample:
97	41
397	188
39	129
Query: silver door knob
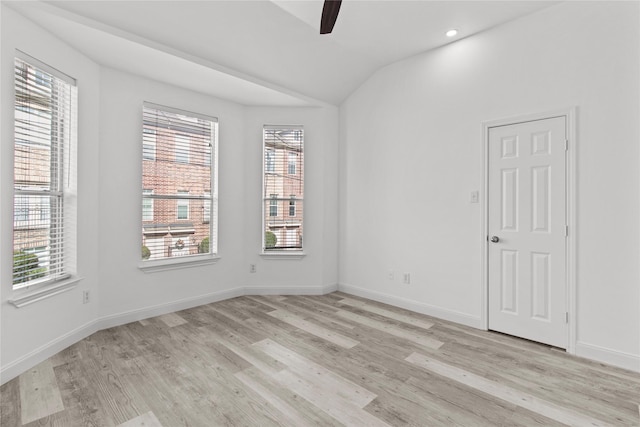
495	239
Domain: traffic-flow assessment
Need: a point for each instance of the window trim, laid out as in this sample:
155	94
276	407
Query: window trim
163	264
64	192
286	253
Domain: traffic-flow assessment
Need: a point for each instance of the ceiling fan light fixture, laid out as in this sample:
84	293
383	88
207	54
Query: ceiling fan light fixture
451	33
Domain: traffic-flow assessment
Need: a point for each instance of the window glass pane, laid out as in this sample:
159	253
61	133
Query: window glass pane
270	159
182	148
44	130
291	170
147	205
292	207
179	206
283	191
183	206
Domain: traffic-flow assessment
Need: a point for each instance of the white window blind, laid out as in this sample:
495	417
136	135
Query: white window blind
179	190
45	126
283	192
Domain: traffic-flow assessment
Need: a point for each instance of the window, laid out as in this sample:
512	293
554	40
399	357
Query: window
179	185
182	148
147	205
183	206
291	166
270	160
292	206
44	174
148	144
283	175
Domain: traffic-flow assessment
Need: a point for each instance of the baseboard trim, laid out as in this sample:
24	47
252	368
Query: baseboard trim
33	358
290	290
419	307
608	356
125	317
42	353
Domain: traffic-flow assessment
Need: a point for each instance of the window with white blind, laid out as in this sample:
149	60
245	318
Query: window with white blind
45	126
283	188
179	196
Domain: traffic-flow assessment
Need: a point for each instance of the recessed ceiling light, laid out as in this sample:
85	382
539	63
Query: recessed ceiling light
451	33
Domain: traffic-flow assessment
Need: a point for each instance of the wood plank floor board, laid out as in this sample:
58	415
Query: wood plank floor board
145	420
313	328
420	338
10	408
401	317
112	390
233	363
251	355
315	313
79	396
39	393
296	410
317	375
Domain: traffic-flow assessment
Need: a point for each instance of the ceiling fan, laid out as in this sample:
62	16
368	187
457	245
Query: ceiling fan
329	15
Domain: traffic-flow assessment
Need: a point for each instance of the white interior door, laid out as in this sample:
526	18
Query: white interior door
527	262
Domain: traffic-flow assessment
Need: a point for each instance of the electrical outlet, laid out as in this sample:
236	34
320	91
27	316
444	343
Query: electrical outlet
85	297
390	275
406	278
475	196
252	268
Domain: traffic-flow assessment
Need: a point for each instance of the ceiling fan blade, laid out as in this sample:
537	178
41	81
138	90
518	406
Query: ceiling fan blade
329	15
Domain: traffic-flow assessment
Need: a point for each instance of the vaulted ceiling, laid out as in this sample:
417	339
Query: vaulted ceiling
264	52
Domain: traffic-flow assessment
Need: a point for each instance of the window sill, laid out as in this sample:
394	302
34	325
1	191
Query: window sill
283	255
26	298
177	263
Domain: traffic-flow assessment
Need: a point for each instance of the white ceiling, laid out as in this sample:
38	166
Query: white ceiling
264	52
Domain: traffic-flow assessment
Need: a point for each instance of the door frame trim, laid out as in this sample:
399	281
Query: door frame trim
570	115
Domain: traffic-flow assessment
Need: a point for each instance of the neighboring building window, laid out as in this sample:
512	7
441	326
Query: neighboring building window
147	205
182	148
270	160
179	185
292	206
183	205
44	174
206	207
291	166
283	174
273	205
148	144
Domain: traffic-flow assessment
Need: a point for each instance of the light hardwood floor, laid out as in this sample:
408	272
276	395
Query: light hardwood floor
327	360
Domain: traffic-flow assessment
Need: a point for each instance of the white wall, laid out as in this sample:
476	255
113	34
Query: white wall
411	153
124	288
48	323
